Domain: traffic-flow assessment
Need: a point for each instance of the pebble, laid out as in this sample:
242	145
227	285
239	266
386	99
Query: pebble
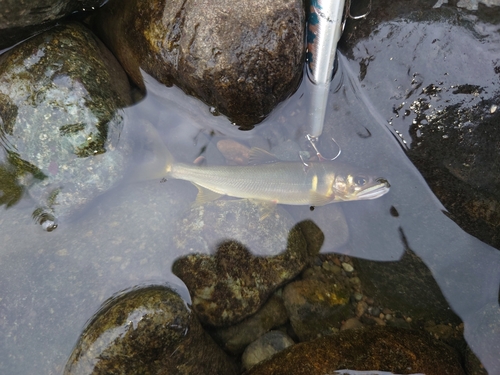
361	308
358	296
264	347
347	267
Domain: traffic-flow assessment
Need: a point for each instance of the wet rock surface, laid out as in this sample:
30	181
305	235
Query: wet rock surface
230	280
147	331
20	19
379	348
61	124
242	58
440	98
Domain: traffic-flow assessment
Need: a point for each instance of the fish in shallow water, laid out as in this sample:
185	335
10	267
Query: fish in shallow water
278	182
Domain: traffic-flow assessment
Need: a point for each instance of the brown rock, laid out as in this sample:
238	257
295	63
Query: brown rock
380	348
147	331
233	269
241	57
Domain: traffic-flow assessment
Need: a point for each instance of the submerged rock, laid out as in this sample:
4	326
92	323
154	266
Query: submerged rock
239	253
433	75
406	286
316	308
147	331
60	121
21	19
240	57
380	348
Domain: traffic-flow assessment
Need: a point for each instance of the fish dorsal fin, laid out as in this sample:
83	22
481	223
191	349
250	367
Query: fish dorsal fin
205	195
317	199
259	156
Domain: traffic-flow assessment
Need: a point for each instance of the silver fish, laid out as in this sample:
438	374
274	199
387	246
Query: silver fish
278	182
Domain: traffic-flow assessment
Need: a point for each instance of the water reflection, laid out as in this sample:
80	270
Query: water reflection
52	283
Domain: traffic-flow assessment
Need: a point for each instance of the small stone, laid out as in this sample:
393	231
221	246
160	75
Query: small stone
379	321
347	267
358	296
355	280
352	323
361	308
388	317
265	347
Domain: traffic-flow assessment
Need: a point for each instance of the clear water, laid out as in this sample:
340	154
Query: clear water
52	283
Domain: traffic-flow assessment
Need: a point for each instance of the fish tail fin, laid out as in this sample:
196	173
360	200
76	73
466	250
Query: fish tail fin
162	161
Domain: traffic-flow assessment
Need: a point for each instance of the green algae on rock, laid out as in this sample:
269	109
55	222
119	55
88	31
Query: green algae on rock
236	257
147	331
61	126
392	349
240	57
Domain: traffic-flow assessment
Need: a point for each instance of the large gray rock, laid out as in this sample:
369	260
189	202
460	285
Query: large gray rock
61	95
21	19
147	331
241	57
237	256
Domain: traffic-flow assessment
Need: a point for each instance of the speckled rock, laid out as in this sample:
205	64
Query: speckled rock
265	347
316	308
61	95
380	348
232	269
147	331
21	19
235	339
241	57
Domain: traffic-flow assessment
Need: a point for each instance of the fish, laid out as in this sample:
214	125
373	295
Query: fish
275	181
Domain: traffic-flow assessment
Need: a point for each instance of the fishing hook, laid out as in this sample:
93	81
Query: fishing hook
349	15
313	141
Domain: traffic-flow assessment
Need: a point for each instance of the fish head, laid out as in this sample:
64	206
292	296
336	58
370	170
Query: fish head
351	185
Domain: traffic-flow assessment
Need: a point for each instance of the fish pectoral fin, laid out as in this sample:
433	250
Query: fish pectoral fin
259	156
205	195
317	199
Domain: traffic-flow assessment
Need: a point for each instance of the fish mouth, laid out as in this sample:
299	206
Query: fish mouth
375	191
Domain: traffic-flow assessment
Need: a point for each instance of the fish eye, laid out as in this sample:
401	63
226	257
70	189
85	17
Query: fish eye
360	181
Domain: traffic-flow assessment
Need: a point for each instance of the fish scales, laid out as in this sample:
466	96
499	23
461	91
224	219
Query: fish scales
280	182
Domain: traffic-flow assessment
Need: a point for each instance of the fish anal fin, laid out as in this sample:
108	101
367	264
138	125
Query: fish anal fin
205	195
317	199
259	156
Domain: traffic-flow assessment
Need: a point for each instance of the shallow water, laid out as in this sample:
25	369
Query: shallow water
53	283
